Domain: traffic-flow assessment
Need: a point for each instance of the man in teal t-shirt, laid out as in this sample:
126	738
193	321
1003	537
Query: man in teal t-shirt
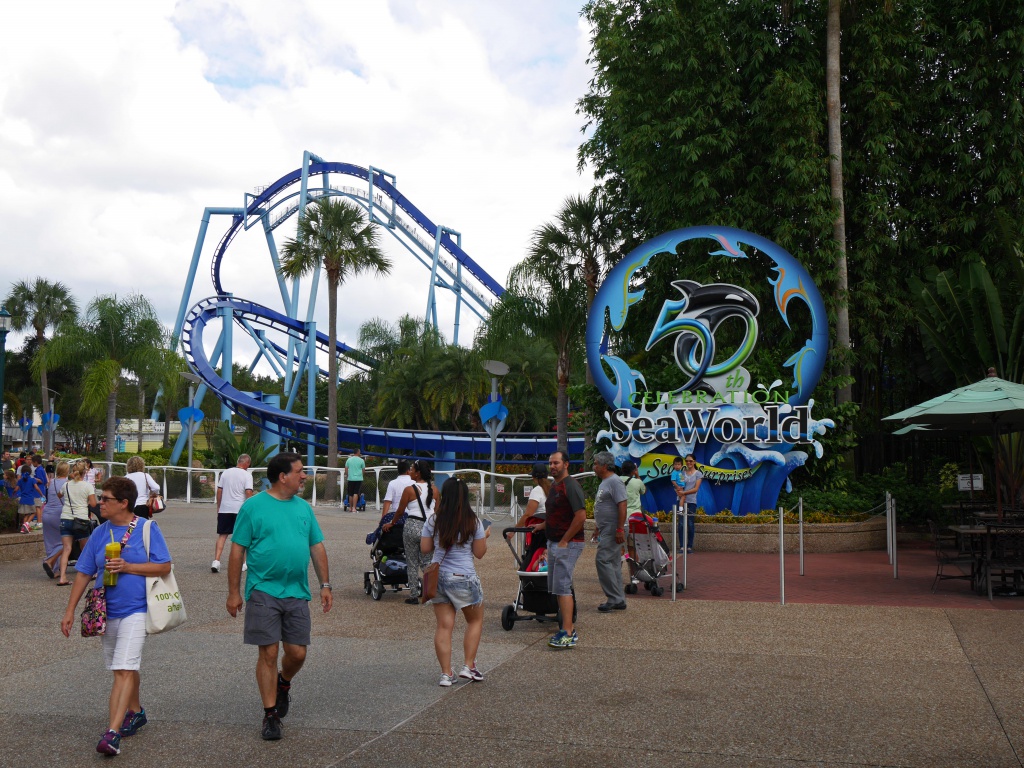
277	535
354	474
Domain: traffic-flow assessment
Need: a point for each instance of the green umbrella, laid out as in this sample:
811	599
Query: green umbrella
990	406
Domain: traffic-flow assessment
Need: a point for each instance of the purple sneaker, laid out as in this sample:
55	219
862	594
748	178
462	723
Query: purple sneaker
110	744
133	721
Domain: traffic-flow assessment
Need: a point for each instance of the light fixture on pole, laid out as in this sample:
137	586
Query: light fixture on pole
494	414
5	326
193	416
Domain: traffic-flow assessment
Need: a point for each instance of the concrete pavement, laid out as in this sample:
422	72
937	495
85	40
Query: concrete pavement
699	682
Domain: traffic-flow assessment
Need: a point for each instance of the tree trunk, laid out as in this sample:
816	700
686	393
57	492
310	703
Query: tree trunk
835	167
111	424
43	384
332	387
591	279
142	410
167	424
562	405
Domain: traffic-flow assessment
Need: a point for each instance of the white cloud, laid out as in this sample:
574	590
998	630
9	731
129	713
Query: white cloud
120	121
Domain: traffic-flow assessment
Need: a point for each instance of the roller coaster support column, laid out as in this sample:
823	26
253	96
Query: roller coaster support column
311	371
431	302
227	349
186	294
444	465
179	444
270	438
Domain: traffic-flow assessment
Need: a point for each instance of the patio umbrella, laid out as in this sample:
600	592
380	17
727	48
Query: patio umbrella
990	406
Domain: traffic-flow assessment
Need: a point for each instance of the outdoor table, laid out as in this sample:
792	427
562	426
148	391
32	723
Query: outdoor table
971	541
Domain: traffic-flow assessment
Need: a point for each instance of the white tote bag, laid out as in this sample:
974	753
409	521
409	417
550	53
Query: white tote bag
164	607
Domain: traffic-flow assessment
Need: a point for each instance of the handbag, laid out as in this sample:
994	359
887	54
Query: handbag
428	590
155	501
164	607
94	615
80	529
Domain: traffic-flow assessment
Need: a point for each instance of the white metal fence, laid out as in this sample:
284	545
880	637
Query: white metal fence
199	486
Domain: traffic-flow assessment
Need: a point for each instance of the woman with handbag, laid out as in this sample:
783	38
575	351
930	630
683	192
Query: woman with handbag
53	510
125	631
455	535
145	486
74	517
417	503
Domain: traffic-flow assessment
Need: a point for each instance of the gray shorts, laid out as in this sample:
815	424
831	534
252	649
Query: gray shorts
270	620
561	565
458	589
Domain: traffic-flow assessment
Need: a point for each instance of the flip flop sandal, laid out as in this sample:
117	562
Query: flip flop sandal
49	570
63	583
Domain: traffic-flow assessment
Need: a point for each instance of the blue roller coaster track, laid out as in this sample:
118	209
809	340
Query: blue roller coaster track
435	246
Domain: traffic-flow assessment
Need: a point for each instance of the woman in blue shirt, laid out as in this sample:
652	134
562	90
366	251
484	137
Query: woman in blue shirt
126	601
455	535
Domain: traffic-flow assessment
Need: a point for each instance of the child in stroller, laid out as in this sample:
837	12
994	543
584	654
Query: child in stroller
647	554
530	553
387	558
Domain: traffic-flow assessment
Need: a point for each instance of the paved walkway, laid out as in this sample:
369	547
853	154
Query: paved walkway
723	677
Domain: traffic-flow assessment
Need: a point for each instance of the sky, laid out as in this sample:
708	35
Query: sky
121	121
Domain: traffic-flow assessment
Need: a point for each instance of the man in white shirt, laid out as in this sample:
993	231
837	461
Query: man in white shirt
233	488
396	486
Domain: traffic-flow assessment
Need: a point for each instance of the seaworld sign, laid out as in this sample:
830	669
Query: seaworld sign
743	437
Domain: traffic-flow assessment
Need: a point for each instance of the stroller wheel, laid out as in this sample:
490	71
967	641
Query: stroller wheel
647	586
508	617
657	591
366	583
631	589
377	589
679	587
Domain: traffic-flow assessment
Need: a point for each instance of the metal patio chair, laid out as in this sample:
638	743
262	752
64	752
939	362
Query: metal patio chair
1004	557
948	554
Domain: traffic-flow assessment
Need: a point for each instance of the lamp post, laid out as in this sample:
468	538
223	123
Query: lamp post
5	326
493	415
192	380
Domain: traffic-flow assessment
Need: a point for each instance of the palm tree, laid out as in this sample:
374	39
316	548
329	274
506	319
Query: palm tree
116	338
334	236
41	305
547	302
582	240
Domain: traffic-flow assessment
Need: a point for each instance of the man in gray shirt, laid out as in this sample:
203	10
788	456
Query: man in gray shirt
610	518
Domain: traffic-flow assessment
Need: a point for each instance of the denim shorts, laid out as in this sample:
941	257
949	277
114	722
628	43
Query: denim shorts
458	589
562	565
67	528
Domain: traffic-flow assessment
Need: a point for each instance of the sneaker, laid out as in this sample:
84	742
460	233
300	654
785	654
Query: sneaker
447	681
215	566
110	744
563	639
37	526
284	699
471	673
271	730
133	721
25	528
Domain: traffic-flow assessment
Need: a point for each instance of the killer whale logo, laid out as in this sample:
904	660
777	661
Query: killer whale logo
693	319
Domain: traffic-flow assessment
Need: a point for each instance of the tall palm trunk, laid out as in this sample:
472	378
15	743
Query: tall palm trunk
590	278
111	424
45	394
332	385
142	410
562	405
835	167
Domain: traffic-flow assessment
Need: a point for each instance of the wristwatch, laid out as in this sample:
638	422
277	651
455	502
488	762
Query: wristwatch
326	585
